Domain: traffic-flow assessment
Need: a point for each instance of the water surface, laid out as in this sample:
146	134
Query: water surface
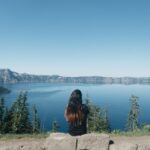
51	100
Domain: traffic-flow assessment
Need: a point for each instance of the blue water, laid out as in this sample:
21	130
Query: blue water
51	100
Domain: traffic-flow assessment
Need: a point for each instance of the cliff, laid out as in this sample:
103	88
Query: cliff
8	76
60	141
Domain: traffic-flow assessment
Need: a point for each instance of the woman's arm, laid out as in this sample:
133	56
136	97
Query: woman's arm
65	114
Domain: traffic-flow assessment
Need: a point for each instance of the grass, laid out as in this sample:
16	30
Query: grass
23	136
46	134
128	133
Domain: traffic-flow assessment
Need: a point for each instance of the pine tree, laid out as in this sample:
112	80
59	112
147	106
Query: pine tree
16	119
35	120
133	122
97	119
26	124
2	113
105	125
19	115
55	126
7	125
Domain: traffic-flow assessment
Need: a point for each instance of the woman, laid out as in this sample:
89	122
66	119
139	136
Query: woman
76	114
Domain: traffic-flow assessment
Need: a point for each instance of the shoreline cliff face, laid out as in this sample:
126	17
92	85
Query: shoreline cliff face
8	76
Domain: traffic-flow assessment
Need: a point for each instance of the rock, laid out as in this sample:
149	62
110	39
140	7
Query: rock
123	146
60	141
21	147
143	147
93	142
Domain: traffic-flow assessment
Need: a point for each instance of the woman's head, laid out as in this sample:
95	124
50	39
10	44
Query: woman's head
74	109
76	95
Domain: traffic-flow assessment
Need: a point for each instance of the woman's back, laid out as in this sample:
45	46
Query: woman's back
80	128
76	114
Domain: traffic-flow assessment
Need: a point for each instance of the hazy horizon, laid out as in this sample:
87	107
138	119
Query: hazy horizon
76	38
76	76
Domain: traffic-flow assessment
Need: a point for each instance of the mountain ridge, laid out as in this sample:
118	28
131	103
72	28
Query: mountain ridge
9	76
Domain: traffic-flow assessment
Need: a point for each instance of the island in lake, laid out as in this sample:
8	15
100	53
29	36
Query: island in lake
4	90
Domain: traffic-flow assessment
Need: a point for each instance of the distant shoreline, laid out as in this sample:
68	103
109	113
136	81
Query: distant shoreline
8	76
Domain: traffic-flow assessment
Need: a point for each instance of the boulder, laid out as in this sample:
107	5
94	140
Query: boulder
123	146
21	146
93	141
143	147
60	141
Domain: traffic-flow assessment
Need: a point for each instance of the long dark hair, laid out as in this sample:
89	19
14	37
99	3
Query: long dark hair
74	113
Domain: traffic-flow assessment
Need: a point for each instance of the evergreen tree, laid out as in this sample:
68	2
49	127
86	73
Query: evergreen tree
7	125
26	124
133	122
97	118
16	119
19	115
55	126
2	113
35	120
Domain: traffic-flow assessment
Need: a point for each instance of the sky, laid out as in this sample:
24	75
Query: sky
76	37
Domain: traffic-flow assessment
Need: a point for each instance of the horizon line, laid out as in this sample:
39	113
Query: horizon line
126	76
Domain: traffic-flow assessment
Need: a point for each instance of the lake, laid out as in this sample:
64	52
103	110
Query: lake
51	100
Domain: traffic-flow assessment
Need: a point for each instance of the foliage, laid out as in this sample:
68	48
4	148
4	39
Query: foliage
97	118
55	126
6	125
9	136
2	112
16	119
139	132
35	120
20	115
133	122
146	128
